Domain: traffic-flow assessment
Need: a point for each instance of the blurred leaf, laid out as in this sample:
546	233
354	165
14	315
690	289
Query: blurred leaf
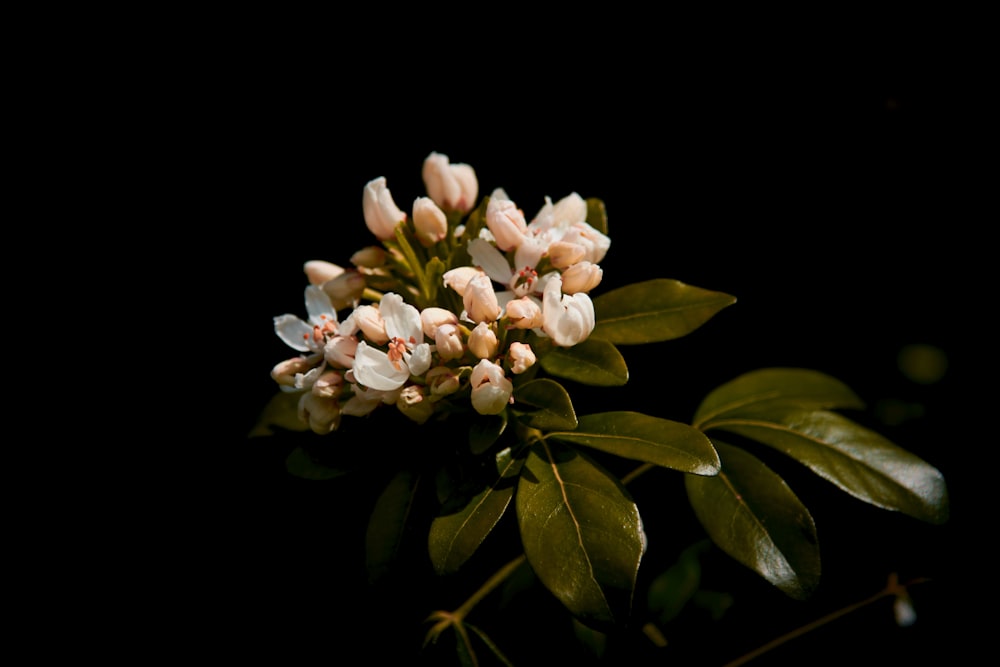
581	533
281	411
654	310
432	275
670	590
633	435
775	387
387	524
544	404
464	523
494	649
592	361
597	215
752	515
300	464
854	458
485	430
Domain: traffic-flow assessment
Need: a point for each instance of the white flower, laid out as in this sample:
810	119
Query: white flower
407	355
568	319
381	213
311	335
480	300
491	391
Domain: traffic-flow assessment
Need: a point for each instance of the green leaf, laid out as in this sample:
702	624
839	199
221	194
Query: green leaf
597	215
654	310
633	435
485	430
859	461
581	533
464	522
752	515
544	404
387	524
775	387
300	464
670	590
282	411
593	361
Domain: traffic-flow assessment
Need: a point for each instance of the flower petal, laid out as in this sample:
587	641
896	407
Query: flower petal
373	369
295	332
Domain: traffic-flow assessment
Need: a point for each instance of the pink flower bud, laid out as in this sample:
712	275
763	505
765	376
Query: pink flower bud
413	403
322	414
430	222
442	381
458	278
319	272
433	317
581	277
381	213
491	391
595	242
345	289
524	313
453	187
563	254
284	372
448	340
329	385
480	300
369	257
369	320
506	222
483	341
521	357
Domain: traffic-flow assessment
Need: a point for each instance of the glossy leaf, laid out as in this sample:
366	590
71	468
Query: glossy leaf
387	524
544	404
641	437
593	361
282	412
462	526
597	215
752	515
300	464
856	459
654	310
581	533
775	387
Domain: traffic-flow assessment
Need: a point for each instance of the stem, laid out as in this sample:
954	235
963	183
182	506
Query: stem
892	588
484	590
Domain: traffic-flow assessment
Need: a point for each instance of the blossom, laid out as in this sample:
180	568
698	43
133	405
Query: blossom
491	390
298	372
413	403
381	213
321	413
309	335
524	313
453	187
319	271
581	277
407	354
568	318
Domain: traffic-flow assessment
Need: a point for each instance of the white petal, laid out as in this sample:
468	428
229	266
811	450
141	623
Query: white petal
492	261
420	360
318	306
401	319
294	332
373	369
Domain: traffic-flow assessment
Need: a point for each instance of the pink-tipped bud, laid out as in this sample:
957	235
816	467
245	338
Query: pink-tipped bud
480	300
521	357
506	222
581	277
483	341
381	213
430	222
453	187
369	257
319	272
491	390
524	313
369	320
345	289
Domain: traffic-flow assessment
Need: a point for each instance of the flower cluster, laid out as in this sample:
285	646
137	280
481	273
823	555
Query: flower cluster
453	303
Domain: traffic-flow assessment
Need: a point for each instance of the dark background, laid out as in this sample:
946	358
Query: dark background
829	200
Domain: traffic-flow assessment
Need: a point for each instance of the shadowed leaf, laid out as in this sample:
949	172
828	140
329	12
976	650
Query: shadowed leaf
593	361
387	524
752	515
597	215
282	411
300	464
544	404
458	531
775	387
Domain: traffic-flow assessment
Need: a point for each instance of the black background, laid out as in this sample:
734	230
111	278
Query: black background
830	200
